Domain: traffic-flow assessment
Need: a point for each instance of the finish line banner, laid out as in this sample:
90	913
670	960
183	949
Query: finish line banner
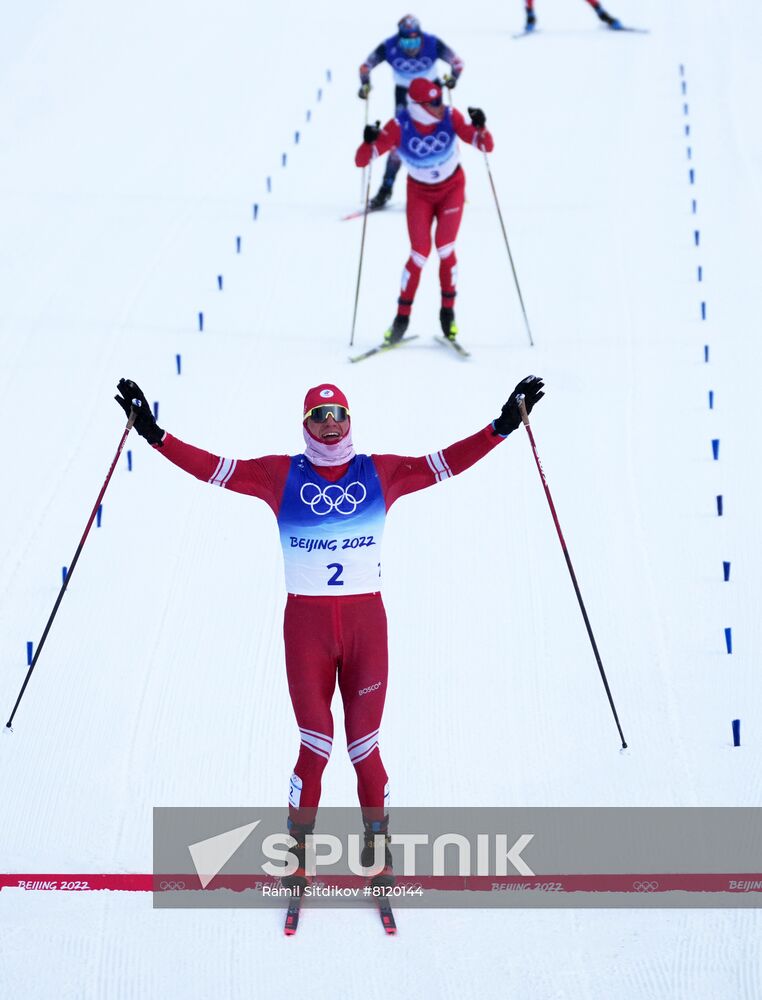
486	857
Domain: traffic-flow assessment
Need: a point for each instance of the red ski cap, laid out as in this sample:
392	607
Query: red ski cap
423	91
322	394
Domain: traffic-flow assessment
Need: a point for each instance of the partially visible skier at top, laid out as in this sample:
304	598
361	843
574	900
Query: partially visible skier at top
410	53
611	22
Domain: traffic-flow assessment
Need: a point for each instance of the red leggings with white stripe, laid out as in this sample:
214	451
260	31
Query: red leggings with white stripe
329	639
427	203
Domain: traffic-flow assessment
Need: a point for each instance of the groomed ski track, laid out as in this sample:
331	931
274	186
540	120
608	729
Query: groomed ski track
134	147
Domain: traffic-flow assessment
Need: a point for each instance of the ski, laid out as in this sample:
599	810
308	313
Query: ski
382	349
607	27
292	914
458	348
387	915
361	212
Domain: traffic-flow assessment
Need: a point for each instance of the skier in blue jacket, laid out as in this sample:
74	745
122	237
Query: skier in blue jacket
411	53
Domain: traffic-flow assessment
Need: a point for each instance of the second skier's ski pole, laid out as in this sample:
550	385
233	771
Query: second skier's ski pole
362	251
508	248
525	419
71	568
362	174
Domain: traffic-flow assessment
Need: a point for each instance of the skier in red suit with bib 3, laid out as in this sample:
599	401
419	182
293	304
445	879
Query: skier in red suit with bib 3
426	135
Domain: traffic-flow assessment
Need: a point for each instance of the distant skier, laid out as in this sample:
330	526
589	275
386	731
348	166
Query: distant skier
607	19
331	506
426	135
410	53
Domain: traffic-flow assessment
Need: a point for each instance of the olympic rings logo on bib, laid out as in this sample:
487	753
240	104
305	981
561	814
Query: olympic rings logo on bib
332	497
426	144
412	65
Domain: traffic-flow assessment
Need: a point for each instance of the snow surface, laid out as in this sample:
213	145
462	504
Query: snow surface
134	142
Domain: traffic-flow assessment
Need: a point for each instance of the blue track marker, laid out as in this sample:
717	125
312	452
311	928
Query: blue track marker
682	69
269	184
283	159
696	237
687	130
179	363
201	322
703	310
719	505
715	448
688	152
711	399
694	206
692	176
309	115
219	281
129	460
64	571
700	273
706	352
238	244
684	87
685	109
256	211
98	516
729	640
736	732
296	138
320	93
726	571
328	75
29	651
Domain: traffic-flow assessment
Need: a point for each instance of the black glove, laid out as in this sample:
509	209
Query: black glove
363	92
131	396
371	133
478	118
450	81
510	416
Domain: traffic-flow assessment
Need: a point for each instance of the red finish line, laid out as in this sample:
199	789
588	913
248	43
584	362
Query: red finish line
740	883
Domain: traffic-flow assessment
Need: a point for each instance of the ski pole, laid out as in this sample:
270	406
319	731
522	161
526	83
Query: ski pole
362	174
507	247
525	419
362	251
70	571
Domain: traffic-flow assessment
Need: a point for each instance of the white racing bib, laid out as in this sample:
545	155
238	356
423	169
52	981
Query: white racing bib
331	533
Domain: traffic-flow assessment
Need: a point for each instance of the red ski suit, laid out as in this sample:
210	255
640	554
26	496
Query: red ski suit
329	638
442	201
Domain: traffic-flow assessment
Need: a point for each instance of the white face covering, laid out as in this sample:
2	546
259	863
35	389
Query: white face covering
419	114
320	453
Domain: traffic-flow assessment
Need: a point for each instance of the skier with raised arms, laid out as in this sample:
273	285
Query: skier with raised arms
331	505
410	53
426	135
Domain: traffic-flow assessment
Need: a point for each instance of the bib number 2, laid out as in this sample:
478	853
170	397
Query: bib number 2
335	580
